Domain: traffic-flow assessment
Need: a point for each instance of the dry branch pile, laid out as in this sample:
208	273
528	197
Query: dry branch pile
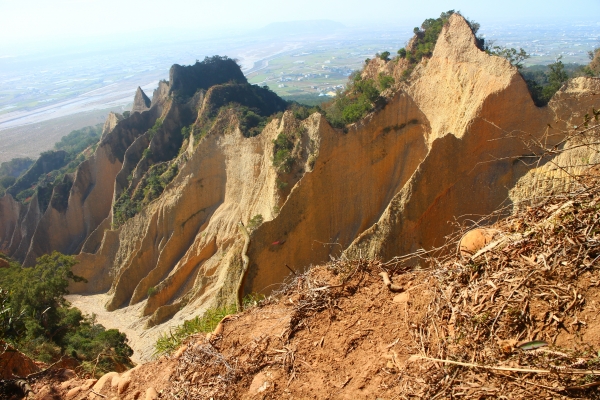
505	306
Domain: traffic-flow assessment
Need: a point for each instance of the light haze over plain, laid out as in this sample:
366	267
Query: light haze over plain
31	22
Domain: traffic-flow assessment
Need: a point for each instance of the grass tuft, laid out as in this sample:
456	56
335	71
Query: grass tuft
170	342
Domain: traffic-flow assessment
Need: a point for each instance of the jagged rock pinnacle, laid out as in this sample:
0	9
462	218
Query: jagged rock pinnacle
141	102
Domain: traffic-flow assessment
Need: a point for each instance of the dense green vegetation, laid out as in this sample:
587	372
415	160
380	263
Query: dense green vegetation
544	81
282	153
516	58
251	122
36	319
360	98
255	222
285	154
364	95
80	139
11	170
215	70
51	167
157	125
306	99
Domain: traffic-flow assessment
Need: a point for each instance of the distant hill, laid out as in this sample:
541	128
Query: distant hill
318	26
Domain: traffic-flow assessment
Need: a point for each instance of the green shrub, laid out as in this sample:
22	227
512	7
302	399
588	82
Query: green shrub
25	195
7	181
170	342
36	319
385	56
150	188
282	153
157	125
251	123
301	112
186	131
353	104
255	222
125	207
152	291
516	58
544	81
80	139
427	35
385	81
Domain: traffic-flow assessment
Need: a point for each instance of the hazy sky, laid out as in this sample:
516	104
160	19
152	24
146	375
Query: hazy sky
43	20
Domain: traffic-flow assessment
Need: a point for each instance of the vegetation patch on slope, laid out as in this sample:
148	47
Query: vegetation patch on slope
152	185
36	319
51	167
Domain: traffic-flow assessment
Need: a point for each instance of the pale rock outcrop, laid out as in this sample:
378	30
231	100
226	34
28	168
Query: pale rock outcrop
111	122
141	102
354	178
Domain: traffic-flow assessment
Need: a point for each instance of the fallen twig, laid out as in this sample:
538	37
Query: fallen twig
499	368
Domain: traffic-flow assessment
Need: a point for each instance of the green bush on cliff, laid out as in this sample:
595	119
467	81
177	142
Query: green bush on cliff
157	125
354	103
514	57
282	153
427	35
36	319
385	81
150	188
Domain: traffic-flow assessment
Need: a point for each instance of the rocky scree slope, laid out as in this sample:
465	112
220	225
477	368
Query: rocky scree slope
154	214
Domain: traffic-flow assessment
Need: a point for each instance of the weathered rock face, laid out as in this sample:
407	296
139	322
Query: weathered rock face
141	102
446	145
110	123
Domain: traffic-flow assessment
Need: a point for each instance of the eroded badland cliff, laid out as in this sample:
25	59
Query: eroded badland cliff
153	216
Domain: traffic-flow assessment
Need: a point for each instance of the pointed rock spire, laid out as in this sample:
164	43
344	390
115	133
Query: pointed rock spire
141	102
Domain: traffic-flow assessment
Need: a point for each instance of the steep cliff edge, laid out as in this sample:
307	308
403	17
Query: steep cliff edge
154	214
